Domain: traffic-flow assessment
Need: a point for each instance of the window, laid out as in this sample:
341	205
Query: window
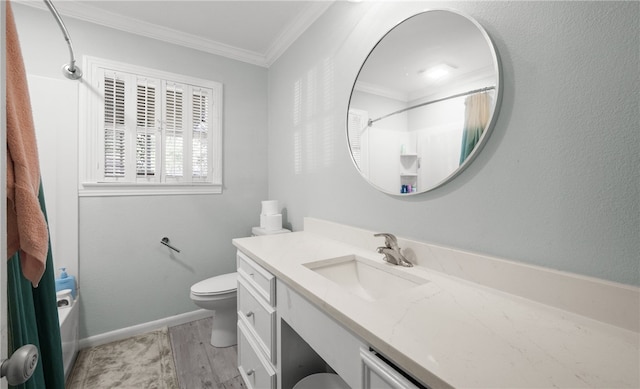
149	132
357	123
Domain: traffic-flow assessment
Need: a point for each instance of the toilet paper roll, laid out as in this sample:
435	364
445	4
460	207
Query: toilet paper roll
271	222
270	207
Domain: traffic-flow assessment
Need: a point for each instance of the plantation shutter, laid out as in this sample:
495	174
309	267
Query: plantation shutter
147	122
357	122
174	131
200	122
151	132
114	127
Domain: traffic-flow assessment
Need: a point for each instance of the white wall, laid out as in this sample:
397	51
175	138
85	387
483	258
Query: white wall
127	276
557	184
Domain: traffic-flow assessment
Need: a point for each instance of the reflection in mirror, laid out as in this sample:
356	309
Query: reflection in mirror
424	102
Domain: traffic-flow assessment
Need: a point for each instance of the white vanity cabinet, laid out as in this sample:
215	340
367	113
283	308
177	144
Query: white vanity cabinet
416	337
296	338
346	353
337	346
257	342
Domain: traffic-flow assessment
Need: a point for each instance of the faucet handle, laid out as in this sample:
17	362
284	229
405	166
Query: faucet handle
389	240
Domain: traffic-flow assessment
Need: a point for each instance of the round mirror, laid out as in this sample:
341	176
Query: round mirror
424	102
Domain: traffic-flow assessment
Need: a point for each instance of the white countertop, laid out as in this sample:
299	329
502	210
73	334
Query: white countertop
453	333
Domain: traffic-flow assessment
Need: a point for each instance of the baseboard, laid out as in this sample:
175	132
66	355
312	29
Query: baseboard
138	329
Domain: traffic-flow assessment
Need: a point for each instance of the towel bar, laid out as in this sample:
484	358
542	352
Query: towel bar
165	241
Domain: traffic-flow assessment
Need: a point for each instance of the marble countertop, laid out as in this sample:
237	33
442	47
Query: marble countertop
454	333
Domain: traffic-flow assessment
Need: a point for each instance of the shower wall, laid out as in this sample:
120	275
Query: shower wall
57	137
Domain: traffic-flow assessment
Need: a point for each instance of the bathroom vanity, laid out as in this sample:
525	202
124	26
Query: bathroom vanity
301	311
310	340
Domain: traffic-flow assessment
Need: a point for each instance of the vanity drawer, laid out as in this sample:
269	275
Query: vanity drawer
376	374
256	371
259	317
263	281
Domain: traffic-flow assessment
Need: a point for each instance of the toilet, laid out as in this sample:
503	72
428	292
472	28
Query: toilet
218	294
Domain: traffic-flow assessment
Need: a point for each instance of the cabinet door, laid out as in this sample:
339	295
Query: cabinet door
376	374
259	317
255	370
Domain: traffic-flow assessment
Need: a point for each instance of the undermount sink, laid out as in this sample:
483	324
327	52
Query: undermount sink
366	278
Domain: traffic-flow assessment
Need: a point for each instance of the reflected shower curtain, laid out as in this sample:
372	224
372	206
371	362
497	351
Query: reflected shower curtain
475	121
33	319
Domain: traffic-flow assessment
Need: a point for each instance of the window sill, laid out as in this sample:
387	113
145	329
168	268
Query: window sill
92	189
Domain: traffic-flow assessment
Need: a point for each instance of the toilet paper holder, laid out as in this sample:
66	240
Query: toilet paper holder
165	241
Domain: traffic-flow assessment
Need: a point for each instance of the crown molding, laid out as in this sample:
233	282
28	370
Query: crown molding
295	29
83	11
380	90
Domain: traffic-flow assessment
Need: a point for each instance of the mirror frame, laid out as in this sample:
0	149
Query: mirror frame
495	109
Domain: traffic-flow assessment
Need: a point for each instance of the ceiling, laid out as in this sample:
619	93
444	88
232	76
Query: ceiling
400	63
256	32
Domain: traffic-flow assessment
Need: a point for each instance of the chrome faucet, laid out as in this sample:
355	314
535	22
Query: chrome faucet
391	250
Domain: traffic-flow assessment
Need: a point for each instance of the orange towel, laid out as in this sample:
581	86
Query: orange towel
26	225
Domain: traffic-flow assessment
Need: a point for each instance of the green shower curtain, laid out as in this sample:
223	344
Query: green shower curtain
475	121
33	319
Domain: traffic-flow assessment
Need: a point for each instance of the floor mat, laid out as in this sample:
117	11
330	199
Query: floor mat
143	361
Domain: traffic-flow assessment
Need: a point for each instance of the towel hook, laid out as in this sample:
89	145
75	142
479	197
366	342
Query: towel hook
165	241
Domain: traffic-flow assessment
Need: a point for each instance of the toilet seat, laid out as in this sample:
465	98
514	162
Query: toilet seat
213	286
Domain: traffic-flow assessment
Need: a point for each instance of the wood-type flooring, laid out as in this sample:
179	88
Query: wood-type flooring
199	365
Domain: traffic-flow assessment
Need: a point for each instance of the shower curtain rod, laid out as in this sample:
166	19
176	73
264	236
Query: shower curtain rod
70	70
487	88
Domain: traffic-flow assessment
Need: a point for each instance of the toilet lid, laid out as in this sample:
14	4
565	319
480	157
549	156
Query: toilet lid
216	285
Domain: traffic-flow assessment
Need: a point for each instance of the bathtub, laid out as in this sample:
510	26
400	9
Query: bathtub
68	318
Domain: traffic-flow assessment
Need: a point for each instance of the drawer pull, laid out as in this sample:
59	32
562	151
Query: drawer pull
250	372
249	314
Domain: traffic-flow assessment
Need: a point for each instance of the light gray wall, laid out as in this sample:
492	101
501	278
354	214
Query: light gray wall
557	184
126	276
